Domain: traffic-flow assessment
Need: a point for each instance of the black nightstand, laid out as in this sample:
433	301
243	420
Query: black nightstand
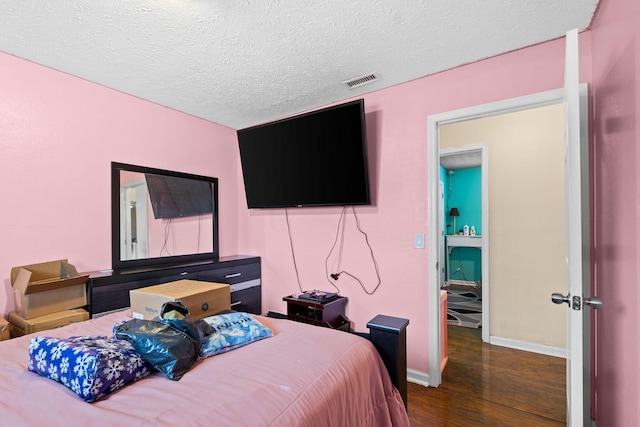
329	314
389	337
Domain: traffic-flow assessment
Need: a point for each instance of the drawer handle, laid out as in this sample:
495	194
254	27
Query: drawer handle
233	304
230	276
184	273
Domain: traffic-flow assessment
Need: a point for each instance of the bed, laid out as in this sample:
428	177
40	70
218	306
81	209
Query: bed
302	376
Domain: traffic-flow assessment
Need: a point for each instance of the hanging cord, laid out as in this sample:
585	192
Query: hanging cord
464	276
341	221
293	254
167	232
373	258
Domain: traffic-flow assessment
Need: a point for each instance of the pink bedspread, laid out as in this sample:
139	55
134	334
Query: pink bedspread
303	376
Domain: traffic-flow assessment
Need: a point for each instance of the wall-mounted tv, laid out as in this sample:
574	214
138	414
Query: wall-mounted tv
313	159
177	197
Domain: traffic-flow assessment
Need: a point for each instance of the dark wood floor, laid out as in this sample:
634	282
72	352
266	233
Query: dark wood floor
488	385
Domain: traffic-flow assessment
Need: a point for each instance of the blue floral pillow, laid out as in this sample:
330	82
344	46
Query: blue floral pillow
91	366
231	331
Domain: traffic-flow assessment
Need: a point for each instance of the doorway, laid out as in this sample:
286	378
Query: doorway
437	131
466	172
133	221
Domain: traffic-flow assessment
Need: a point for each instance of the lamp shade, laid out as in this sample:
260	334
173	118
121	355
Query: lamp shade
454	212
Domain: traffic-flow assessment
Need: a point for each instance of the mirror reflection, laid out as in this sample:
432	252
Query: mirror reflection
163	215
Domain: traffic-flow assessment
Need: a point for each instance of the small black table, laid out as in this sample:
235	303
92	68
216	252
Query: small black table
330	314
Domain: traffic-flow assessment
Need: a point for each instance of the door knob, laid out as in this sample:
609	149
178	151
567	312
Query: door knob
559	298
593	302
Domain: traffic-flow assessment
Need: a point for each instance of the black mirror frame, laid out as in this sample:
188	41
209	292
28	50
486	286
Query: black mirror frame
116	262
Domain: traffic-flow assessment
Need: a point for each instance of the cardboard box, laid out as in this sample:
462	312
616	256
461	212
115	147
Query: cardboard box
46	288
201	298
4	329
21	326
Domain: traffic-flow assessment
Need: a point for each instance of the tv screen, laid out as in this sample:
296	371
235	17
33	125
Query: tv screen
313	159
176	197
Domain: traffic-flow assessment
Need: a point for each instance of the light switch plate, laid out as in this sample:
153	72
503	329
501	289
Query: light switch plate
418	241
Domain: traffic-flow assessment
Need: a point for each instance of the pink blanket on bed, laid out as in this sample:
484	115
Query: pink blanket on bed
303	376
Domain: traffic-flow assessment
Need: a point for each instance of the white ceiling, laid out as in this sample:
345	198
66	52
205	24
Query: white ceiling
244	62
463	160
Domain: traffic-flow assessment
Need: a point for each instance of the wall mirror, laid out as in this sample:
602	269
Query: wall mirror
159	217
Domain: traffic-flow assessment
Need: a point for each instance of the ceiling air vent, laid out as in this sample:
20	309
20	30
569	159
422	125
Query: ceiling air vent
360	81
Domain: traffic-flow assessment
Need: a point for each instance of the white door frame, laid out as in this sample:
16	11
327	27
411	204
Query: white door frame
139	190
433	122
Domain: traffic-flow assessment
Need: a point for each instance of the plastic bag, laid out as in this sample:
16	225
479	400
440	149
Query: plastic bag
171	346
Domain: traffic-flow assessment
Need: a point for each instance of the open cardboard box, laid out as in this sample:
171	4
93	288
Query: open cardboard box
203	299
46	288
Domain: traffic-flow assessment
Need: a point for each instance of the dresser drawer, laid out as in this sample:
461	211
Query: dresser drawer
231	275
247	299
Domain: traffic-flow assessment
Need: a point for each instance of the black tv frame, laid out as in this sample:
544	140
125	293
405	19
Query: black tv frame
299	121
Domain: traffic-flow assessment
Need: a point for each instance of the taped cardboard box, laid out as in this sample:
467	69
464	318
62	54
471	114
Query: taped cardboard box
203	299
48	287
21	326
4	329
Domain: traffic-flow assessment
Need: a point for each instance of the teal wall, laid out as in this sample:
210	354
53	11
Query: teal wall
463	190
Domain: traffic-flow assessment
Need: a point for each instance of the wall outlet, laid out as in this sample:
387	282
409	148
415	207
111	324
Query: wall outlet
418	241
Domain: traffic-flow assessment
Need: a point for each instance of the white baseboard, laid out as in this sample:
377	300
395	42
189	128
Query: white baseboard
531	347
418	377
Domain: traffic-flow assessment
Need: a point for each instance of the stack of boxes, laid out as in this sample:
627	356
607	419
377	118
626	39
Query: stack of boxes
52	294
4	329
46	295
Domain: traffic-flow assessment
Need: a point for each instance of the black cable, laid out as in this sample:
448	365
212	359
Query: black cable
293	254
335	242
464	276
344	227
167	232
373	258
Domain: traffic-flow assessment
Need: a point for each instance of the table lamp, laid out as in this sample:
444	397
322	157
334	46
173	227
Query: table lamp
454	213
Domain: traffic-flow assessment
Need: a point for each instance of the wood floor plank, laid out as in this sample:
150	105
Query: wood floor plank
485	385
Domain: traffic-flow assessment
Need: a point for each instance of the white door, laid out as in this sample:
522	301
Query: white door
577	241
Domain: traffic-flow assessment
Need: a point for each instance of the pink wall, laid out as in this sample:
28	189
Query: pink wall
397	136
616	97
58	136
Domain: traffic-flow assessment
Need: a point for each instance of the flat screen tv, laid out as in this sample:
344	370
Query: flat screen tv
178	197
313	159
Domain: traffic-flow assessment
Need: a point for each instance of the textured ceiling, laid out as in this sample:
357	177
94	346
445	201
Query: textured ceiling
466	159
244	62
